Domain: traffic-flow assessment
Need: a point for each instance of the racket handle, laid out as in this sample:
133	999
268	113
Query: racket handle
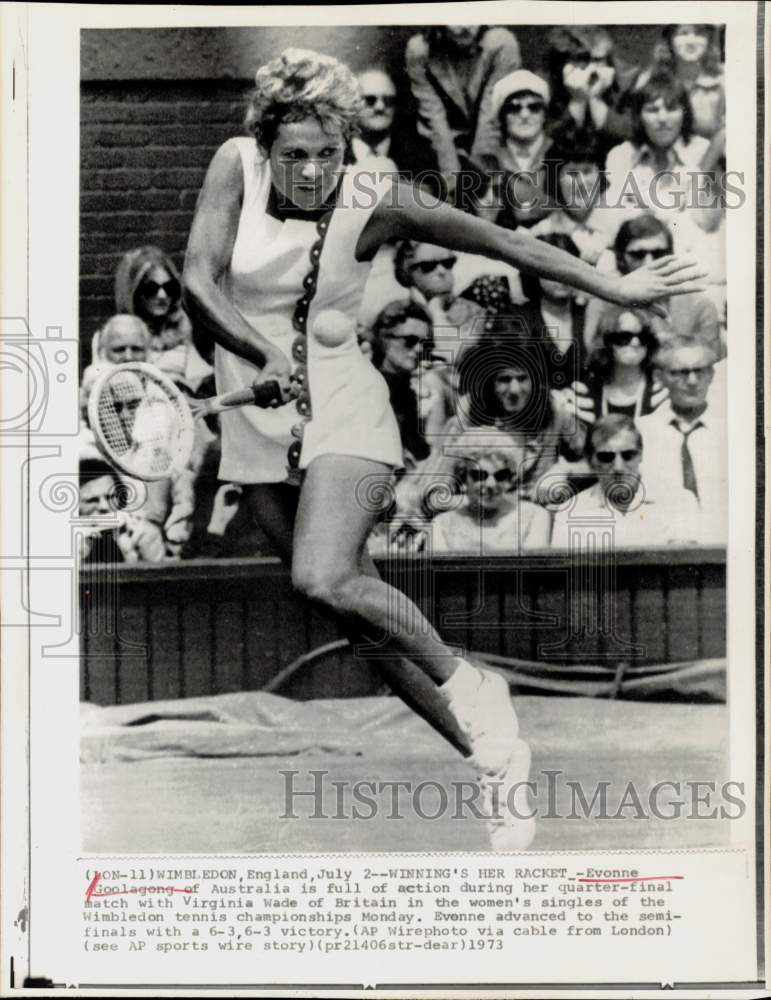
257	395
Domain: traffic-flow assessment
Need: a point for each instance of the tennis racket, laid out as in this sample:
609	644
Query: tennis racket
145	426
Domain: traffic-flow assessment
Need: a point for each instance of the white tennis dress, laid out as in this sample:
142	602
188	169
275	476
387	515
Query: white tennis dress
282	274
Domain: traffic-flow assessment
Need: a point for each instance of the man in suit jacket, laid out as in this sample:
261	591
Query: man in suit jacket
452	71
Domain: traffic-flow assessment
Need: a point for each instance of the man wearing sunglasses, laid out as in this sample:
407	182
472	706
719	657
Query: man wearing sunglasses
620	510
428	272
372	146
685	438
640	241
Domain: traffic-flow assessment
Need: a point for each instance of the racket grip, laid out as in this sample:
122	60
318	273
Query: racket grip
257	395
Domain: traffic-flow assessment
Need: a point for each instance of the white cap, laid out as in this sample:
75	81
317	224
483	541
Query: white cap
521	80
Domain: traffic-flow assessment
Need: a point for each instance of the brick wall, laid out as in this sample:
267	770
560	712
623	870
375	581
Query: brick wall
145	147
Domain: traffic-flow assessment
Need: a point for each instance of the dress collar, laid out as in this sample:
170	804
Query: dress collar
279	207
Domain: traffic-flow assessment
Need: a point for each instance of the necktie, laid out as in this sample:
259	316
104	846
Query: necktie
689	473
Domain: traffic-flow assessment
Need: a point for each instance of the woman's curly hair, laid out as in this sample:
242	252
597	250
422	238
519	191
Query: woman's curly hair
302	84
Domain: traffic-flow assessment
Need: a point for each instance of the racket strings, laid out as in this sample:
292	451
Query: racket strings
142	424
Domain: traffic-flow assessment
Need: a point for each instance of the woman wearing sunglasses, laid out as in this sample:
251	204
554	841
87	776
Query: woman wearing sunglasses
401	339
147	285
588	82
491	516
620	374
516	173
282	234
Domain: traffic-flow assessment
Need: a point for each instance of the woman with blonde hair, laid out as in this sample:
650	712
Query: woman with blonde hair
283	233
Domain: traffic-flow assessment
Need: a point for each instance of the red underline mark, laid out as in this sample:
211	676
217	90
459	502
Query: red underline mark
91	892
639	878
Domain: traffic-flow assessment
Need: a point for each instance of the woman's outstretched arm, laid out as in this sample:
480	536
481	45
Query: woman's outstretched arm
209	249
413	214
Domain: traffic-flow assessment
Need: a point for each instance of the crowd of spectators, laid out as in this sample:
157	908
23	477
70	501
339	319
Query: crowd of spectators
530	415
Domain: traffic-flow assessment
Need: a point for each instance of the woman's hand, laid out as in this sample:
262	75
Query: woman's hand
659	279
278	368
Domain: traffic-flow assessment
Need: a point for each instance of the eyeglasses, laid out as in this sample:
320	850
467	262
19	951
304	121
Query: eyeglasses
620	338
410	340
606	457
371	100
517	107
427	266
480	475
584	59
151	288
640	255
681	374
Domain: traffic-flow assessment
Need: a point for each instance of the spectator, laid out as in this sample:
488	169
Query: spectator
169	502
401	337
372	147
504	390
517	176
693	315
556	313
583	215
123	338
685	438
147	285
691	53
587	82
453	70
491	517
427	271
620	377
620	510
121	538
653	170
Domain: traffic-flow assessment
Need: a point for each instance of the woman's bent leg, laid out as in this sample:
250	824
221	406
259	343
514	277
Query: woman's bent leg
274	507
333	524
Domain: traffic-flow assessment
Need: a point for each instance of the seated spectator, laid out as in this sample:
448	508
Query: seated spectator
516	175
691	53
122	339
427	272
401	337
692	316
504	390
621	510
452	71
653	170
583	214
556	313
491	517
122	537
620	373
169	502
588	83
685	438
147	285
372	147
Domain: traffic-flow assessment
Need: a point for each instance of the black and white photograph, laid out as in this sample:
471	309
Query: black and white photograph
415	501
479	528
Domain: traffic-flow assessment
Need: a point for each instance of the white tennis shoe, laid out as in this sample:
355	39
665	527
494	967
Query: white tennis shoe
501	759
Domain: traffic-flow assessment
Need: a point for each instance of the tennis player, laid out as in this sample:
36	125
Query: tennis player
283	232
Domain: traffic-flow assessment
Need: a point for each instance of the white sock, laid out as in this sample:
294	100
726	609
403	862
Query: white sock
463	684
